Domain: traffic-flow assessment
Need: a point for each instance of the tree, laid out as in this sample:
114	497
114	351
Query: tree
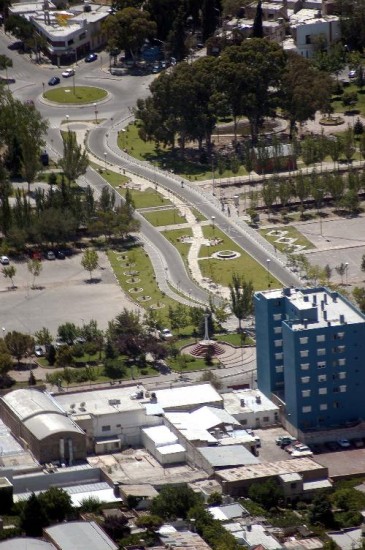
341	270
320	512
359	295
19	344
116	526
9	272
128	29
90	261
328	272
34	267
363	263
257	29
174	502
268	494
6	362
64	357
241	293
303	90
43	337
91	505
57	503
51	355
150	522
33	517
75	160
32	380
67	332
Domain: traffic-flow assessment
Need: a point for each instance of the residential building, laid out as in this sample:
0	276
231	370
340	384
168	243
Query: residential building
251	408
311	29
65	35
83	535
310	350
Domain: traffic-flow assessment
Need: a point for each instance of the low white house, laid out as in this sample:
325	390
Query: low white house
163	445
309	26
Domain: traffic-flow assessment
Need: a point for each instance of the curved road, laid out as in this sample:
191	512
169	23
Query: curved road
112	115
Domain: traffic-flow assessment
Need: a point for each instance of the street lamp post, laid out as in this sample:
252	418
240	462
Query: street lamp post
96	113
123	139
346	271
213	225
105	154
213	177
67	121
268	271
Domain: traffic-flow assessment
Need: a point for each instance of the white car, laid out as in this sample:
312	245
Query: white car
4	260
344	443
166	334
68	72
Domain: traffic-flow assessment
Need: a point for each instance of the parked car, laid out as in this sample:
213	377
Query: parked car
332	446
4	260
357	442
344	443
60	255
91	57
353	73
68	72
50	255
53	81
303	451
18	45
39	351
166	334
7	80
284	440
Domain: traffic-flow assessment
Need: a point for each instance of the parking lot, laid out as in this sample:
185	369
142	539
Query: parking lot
63	294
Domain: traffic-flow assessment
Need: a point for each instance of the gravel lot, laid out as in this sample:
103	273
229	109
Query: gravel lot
64	293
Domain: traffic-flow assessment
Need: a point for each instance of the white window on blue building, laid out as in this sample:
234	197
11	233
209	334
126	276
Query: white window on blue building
304	366
339	336
277	317
278	356
278	330
343	389
321	364
304	353
278	343
306	393
322	391
322	378
321	351
321	338
342	375
305	379
303	340
323	407
338	349
279	368
342	362
307	409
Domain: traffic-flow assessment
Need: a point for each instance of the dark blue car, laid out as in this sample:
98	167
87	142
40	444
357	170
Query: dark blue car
53	81
91	57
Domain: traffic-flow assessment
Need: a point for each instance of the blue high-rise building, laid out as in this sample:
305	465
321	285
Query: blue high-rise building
311	354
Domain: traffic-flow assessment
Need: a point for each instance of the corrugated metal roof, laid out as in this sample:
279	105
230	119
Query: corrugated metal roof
80	535
26	403
25	543
234	455
187	396
44	425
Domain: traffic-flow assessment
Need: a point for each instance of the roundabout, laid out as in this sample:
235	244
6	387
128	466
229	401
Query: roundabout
75	95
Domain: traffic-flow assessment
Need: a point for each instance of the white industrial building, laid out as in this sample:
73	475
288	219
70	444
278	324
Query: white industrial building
163	445
112	418
251	408
188	398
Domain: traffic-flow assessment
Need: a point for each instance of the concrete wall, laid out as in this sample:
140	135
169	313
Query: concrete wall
61	478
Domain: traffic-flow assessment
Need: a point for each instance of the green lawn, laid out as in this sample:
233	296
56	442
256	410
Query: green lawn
220	271
147	199
358	106
186	363
164	217
43	176
110	176
235	339
166	159
198	215
174	235
83	94
147	281
291	233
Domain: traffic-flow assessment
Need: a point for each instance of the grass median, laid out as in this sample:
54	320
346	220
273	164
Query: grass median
77	95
